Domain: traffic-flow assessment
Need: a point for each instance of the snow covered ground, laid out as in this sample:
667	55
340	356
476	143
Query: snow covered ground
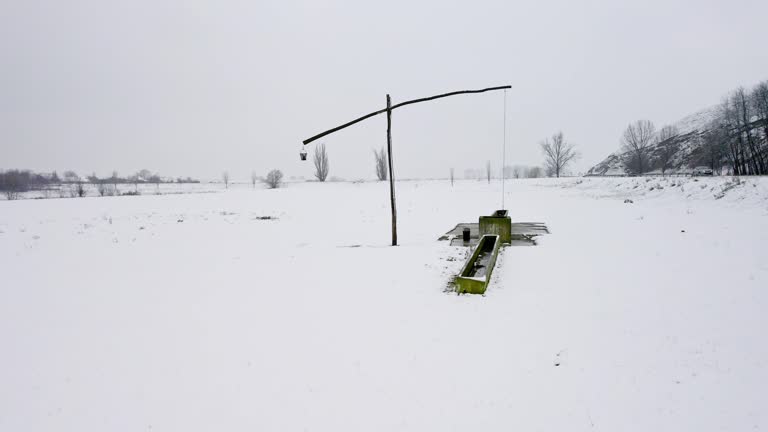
195	313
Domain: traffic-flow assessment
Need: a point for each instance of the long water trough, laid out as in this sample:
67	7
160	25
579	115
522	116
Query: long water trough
476	274
486	237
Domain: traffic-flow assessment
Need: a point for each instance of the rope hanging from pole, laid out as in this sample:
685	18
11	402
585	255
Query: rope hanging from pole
504	152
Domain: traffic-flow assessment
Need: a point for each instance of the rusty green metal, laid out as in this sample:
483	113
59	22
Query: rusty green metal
499	224
476	274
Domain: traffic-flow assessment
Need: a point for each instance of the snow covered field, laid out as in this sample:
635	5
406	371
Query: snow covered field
195	313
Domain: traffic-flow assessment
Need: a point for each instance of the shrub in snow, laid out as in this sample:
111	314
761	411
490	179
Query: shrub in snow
274	179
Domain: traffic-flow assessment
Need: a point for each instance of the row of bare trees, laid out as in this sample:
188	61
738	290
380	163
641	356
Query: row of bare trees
322	165
13	183
273	180
667	147
740	131
646	149
523	171
509	172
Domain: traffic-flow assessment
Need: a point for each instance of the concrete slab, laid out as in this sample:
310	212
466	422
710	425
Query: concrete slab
523	233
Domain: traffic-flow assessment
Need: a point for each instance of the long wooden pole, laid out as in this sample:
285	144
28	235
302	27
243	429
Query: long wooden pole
391	172
401	104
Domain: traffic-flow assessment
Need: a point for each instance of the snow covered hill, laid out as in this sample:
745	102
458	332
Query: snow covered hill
685	160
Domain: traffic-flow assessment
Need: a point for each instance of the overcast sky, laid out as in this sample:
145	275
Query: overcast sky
187	87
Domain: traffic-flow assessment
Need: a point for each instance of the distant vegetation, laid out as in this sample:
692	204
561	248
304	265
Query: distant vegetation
731	138
381	164
14	182
510	172
558	154
322	165
274	179
738	137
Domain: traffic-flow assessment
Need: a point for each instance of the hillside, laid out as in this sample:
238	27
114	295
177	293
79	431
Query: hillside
687	157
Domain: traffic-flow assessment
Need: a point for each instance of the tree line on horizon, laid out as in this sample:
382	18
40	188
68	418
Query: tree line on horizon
735	140
14	182
558	155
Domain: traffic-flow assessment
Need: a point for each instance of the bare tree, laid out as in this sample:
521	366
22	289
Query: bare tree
80	189
274	179
668	132
558	154
154	178
667	147
135	180
714	144
507	171
636	142
254	178
71	176
728	121
115	180
451	176
534	172
759	98
518	171
735	118
12	184
381	164
667	150
757	163
488	171
321	163
225	177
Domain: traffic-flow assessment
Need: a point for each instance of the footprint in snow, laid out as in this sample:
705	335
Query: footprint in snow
559	358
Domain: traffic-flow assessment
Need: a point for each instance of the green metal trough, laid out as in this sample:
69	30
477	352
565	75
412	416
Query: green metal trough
476	274
498	223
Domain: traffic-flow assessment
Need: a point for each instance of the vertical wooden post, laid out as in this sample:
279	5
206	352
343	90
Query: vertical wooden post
391	172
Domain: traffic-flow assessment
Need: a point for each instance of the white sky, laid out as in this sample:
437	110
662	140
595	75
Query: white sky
197	87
